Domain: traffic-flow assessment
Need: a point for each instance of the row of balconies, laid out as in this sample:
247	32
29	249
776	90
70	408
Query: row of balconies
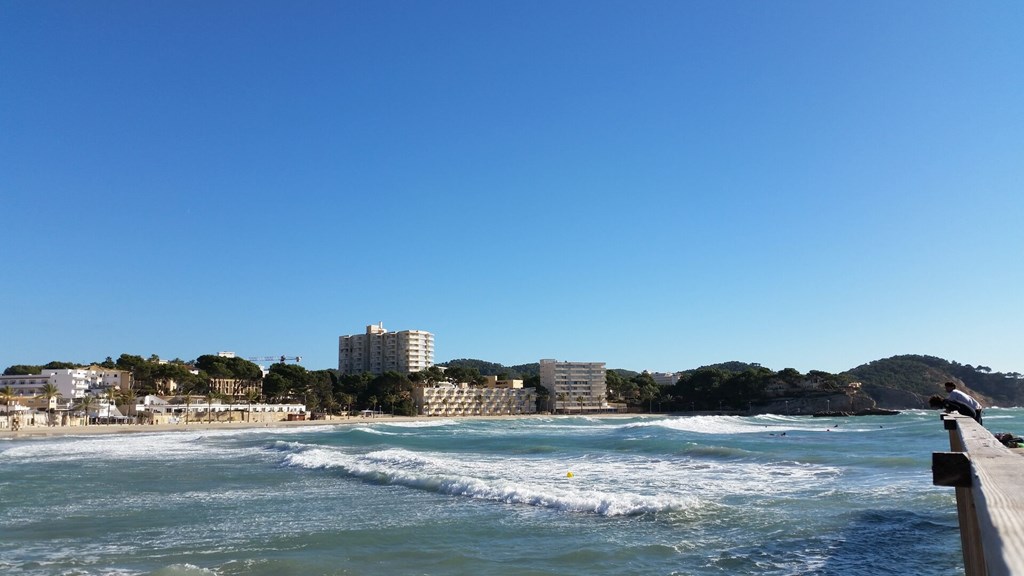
491	405
471	392
474	411
488	405
470	400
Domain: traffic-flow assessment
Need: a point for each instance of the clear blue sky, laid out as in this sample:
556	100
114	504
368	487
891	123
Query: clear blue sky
658	185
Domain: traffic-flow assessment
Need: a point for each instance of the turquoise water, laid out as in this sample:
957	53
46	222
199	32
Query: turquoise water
647	495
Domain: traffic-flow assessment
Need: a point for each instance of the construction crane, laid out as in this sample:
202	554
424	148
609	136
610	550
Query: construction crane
281	359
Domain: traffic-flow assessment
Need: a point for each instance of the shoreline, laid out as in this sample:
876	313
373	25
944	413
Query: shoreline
106	429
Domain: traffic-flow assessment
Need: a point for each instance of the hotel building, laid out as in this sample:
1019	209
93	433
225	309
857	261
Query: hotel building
575	387
73	383
379	351
496	398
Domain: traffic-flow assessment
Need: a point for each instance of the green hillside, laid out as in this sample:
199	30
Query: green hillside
924	375
898	382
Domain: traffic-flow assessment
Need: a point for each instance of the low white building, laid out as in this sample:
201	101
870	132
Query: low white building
160	405
666	378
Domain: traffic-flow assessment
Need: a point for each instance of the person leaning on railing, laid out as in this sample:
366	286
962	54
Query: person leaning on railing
954	395
958	402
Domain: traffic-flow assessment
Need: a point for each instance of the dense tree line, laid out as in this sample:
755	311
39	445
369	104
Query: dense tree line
730	385
517	372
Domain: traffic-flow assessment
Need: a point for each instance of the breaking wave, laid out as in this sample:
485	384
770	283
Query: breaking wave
502	483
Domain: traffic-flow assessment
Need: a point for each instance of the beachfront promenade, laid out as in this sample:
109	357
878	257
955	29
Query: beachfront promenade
989	497
79	430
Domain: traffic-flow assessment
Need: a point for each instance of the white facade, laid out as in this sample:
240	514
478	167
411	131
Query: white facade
465	400
379	351
160	405
575	387
666	378
73	383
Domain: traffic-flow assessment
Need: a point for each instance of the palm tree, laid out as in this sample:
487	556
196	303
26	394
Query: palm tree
332	405
187	388
251	397
128	398
7	394
188	404
48	393
580	399
111	400
561	398
86	403
346	400
210	396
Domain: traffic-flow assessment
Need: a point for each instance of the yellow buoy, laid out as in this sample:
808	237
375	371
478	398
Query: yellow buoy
569	475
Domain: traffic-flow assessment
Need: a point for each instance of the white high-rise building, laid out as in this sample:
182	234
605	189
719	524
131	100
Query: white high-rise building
379	351
574	386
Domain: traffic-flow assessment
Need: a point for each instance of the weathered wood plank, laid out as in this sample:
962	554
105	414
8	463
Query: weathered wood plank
995	500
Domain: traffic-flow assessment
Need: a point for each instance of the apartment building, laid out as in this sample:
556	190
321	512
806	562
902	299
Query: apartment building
575	387
73	383
379	351
235	388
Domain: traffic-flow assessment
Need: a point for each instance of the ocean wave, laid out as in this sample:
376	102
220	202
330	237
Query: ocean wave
495	481
421	423
706	424
176	445
734	425
183	570
706	451
369	430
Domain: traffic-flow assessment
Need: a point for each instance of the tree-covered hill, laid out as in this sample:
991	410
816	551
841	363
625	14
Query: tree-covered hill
484	367
924	375
734	366
518	371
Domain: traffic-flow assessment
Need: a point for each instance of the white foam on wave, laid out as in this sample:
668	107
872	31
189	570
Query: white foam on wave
422	423
612	485
729	425
183	570
705	424
512	481
118	447
374	431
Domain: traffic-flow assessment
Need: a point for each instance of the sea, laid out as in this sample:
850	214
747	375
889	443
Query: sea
565	495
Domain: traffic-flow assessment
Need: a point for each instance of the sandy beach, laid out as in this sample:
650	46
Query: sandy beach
94	429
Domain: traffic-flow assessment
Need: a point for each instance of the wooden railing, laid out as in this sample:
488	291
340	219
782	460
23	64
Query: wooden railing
989	482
